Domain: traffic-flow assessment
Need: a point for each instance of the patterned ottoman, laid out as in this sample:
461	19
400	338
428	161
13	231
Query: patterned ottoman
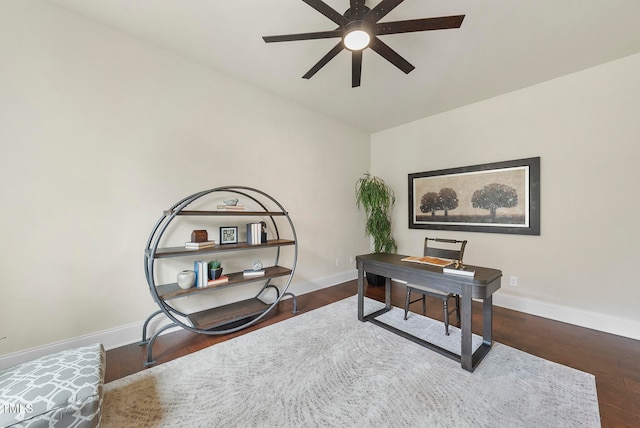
58	390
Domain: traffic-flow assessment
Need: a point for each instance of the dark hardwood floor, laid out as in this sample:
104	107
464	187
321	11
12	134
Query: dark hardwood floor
614	360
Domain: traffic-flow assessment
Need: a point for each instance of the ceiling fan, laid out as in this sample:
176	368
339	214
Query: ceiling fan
359	28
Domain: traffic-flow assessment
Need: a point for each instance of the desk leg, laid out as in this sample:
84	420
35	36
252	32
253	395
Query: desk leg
387	292
487	320
466	357
360	292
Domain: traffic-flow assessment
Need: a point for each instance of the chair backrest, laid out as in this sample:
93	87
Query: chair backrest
455	251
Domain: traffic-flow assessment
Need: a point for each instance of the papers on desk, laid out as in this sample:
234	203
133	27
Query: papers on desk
426	260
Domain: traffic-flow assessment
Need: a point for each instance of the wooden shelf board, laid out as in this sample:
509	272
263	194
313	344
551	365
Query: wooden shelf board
182	251
173	291
228	213
227	314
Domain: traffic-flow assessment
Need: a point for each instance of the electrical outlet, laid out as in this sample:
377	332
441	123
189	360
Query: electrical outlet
352	260
513	281
337	262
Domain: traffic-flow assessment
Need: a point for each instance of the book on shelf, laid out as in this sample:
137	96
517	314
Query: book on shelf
202	273
195	269
460	271
198	245
254	233
222	280
251	272
230	207
427	260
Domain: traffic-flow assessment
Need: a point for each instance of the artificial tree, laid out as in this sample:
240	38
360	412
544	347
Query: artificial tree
377	199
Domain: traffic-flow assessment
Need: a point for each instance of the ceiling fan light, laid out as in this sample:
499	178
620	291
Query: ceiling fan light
356	40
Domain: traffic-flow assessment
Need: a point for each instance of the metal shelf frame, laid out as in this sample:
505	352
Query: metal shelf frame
153	253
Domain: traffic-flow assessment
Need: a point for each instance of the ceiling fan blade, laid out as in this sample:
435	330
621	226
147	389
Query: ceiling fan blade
381	10
303	36
425	24
357	9
327	11
390	55
325	59
356	68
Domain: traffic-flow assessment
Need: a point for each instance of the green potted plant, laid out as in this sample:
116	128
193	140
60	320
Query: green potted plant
215	269
377	199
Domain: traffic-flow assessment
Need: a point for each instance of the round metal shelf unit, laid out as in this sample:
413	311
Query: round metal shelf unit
267	208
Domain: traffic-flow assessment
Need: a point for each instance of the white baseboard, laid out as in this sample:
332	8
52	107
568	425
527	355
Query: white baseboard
132	333
324	282
582	318
592	320
110	339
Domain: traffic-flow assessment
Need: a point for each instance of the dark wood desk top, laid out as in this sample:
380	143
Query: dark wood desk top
484	283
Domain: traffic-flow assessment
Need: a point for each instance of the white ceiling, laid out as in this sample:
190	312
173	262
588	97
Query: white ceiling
503	45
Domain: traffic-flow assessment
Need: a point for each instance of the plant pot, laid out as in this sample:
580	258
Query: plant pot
215	273
375	280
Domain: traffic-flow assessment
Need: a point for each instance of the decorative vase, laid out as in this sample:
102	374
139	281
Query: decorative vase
215	273
186	279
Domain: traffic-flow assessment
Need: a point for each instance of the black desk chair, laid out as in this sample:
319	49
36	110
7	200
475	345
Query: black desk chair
455	254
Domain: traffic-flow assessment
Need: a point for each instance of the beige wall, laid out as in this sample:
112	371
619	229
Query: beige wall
585	128
100	132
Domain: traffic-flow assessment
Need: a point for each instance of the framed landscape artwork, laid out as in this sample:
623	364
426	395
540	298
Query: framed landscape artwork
500	197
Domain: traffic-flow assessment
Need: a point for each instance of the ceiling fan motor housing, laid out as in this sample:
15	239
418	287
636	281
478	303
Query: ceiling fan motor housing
352	29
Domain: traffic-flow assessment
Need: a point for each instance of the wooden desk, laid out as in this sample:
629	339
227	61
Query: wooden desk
482	286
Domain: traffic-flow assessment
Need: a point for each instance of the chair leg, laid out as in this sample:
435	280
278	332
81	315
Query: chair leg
445	305
406	303
424	304
457	297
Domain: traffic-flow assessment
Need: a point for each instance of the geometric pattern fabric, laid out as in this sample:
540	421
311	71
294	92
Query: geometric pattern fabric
63	389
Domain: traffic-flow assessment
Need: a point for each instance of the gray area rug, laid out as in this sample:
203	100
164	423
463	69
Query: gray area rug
325	368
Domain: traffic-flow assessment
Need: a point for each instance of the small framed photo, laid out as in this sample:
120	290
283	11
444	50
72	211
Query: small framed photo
229	235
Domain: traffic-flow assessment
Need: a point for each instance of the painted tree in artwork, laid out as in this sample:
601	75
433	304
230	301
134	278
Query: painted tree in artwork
446	199
430	202
449	199
494	196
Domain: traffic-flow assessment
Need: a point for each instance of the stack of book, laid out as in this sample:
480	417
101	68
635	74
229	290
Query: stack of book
215	282
251	272
230	207
459	271
199	245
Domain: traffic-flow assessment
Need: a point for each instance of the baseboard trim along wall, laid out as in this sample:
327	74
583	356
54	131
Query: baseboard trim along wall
132	333
579	317
110	339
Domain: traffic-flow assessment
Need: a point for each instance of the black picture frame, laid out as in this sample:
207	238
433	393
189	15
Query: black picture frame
498	197
229	235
